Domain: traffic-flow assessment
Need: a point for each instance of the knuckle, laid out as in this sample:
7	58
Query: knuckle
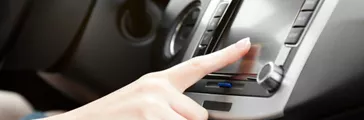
154	75
197	64
150	75
13	96
152	86
151	100
150	104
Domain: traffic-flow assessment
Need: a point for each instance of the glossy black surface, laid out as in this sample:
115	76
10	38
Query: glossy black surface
332	79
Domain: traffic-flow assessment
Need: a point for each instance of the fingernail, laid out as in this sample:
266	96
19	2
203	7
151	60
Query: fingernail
244	43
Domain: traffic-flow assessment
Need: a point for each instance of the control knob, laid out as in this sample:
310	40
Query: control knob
270	76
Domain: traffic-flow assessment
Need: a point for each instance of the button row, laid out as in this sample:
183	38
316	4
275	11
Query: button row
301	22
213	23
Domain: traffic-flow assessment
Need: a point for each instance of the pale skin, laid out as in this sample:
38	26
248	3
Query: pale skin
159	95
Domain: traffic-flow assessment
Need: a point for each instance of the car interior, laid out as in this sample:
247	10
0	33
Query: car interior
306	59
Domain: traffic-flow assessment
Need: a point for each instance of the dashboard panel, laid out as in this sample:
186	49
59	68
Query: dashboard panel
331	80
307	52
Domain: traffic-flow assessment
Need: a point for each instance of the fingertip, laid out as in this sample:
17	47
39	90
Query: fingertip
204	115
243	43
198	67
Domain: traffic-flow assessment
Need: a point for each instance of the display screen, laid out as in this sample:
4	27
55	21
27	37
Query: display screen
267	24
249	65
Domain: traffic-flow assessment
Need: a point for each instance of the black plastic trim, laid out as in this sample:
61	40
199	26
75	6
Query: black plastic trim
240	88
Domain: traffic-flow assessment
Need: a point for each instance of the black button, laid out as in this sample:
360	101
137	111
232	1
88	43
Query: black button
206	38
302	19
213	24
220	106
221	9
200	50
293	36
310	5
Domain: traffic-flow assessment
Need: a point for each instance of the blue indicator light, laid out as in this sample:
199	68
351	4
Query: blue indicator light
224	85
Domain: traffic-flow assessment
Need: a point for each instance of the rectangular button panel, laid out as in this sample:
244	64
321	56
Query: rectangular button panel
301	23
229	87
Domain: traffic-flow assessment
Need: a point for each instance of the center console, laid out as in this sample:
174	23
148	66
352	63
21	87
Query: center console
258	86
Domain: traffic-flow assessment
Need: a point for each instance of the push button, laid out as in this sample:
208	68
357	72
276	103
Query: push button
213	24
310	5
206	38
293	36
224	85
220	106
221	9
200	50
302	19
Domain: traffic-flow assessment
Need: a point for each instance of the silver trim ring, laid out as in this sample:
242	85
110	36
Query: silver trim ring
178	28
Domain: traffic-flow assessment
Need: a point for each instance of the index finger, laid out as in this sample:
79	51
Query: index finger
188	73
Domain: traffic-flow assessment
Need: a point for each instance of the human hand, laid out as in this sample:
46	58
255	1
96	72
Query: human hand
158	95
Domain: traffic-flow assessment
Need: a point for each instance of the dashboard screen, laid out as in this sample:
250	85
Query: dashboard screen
259	20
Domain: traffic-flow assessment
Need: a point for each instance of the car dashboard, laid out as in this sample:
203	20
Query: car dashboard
305	61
